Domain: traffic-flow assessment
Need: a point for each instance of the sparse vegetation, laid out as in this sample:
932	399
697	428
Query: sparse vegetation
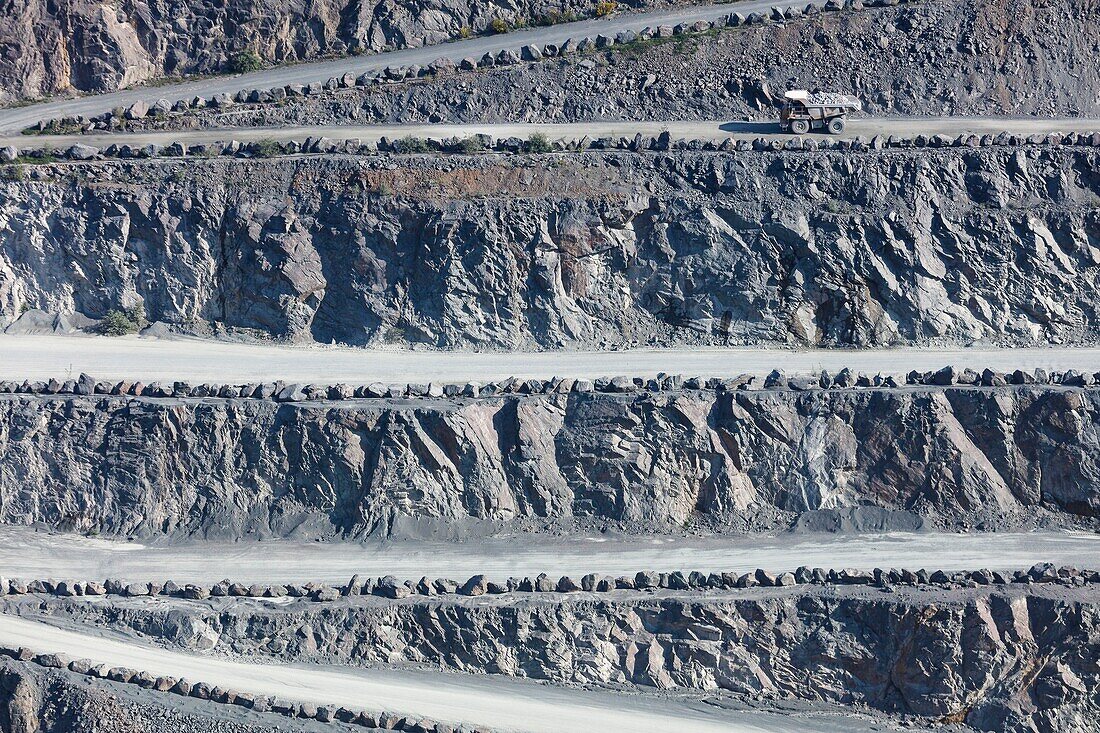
554	17
539	143
605	8
243	62
123	322
395	334
410	144
499	25
465	32
470	145
266	148
13	173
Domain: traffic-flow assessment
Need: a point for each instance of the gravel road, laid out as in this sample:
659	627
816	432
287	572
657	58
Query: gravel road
29	554
501	703
701	130
16	118
148	359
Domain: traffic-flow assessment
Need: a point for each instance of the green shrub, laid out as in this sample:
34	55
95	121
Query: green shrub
123	322
244	61
465	32
410	144
266	148
605	8
539	143
554	17
470	145
499	25
115	323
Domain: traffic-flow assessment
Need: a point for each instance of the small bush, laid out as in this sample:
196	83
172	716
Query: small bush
243	62
605	8
266	148
470	145
117	323
554	17
539	143
465	32
124	321
410	144
499	25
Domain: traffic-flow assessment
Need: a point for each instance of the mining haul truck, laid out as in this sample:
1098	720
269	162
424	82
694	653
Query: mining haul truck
804	111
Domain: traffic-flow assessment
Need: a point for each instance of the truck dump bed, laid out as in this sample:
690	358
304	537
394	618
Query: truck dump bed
824	99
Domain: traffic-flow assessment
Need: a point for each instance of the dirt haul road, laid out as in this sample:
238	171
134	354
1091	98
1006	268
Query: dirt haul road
41	357
28	554
501	703
905	127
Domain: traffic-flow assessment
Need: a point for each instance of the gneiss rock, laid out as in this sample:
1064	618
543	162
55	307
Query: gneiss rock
475	586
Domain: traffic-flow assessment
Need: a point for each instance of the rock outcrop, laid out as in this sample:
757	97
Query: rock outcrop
89	46
1006	660
838	248
735	461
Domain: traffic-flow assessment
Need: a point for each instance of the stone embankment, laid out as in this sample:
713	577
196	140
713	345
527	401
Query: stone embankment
203	691
952	454
280	391
478	585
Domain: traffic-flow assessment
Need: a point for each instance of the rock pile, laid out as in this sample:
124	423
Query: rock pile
948	376
392	588
228	696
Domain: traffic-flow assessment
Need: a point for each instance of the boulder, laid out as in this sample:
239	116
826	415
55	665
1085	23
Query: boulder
476	586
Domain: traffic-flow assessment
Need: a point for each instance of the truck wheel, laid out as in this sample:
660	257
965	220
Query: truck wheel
836	125
800	127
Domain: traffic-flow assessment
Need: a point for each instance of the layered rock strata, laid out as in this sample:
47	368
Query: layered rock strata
734	461
1015	659
846	248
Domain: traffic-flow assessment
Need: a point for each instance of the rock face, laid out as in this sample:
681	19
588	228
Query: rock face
88	46
738	461
935	57
20	700
874	248
1005	660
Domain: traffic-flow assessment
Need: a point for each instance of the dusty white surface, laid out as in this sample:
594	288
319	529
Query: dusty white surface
502	703
134	357
27	554
702	130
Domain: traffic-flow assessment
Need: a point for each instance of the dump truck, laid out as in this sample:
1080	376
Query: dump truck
804	111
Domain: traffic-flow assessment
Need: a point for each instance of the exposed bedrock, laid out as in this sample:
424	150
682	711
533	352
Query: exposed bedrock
999	660
89	46
586	249
734	462
936	57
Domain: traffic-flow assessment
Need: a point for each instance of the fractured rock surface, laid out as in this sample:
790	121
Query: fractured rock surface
1018	659
87	46
739	461
873	248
